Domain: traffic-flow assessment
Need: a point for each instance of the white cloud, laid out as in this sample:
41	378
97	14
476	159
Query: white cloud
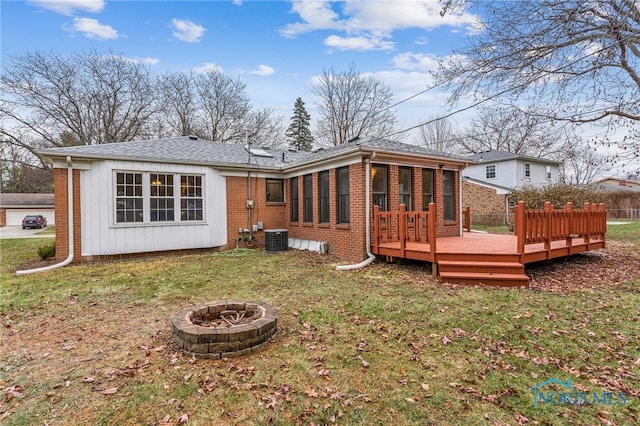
373	20
146	61
68	7
263	70
358	43
187	31
91	28
415	62
206	67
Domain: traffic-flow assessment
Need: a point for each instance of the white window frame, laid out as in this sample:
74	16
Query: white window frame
492	167
527	170
197	200
548	172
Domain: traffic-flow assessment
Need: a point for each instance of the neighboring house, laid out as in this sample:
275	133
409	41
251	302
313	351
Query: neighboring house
189	193
493	174
622	197
617	182
14	207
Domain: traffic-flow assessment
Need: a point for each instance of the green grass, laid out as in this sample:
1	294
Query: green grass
383	345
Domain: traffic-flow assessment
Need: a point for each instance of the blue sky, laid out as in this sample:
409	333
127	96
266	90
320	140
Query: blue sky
276	47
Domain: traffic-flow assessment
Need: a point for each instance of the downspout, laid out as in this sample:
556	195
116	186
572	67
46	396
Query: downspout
367	209
70	221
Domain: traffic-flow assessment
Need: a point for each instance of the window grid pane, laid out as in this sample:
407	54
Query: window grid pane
161	197
191	198
129	197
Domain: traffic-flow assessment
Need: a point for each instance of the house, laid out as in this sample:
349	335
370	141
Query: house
188	193
492	175
14	207
622	197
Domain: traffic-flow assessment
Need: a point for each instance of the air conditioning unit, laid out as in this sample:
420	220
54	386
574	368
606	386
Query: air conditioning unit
276	240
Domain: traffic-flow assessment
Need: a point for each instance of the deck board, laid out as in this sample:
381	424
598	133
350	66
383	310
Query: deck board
479	244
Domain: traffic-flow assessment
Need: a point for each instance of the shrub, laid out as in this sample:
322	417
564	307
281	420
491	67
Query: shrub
559	195
47	251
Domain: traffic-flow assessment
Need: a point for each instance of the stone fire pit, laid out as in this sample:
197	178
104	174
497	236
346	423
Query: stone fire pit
224	329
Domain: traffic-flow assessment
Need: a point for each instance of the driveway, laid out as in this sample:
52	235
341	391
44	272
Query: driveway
18	232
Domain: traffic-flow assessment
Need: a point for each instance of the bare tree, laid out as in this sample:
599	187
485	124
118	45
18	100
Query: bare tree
581	59
352	105
582	164
223	106
179	107
95	98
438	135
514	130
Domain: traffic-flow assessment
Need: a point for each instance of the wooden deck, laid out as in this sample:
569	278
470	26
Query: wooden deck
478	258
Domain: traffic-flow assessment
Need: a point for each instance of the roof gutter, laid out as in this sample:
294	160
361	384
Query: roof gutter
70	221
371	257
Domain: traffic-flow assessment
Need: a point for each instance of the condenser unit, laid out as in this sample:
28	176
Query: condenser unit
276	240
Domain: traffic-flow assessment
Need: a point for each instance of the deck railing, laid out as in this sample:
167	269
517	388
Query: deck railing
404	226
549	224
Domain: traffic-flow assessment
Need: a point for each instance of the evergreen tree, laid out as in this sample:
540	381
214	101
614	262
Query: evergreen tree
298	133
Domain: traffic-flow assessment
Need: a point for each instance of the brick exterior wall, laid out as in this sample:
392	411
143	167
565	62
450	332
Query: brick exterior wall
62	217
487	207
272	215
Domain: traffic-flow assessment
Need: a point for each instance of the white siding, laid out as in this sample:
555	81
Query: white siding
510	173
102	236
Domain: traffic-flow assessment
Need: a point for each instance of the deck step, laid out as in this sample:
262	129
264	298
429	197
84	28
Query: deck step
477	266
486	278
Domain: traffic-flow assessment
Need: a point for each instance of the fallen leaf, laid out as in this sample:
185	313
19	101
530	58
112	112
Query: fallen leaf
365	364
445	340
311	393
424	386
88	379
184	418
110	391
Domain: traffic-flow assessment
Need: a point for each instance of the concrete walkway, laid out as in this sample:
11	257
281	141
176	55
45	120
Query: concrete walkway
18	232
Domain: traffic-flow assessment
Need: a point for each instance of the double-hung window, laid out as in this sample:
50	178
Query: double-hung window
404	186
343	194
379	186
527	170
427	188
162	202
129	199
490	171
294	199
191	197
448	178
307	194
323	189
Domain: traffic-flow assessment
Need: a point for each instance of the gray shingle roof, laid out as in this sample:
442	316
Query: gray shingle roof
12	199
186	150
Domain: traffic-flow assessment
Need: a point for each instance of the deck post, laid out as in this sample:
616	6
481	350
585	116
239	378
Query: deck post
603	221
569	229
431	237
467	219
548	217
587	213
376	228
520	226
402	229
